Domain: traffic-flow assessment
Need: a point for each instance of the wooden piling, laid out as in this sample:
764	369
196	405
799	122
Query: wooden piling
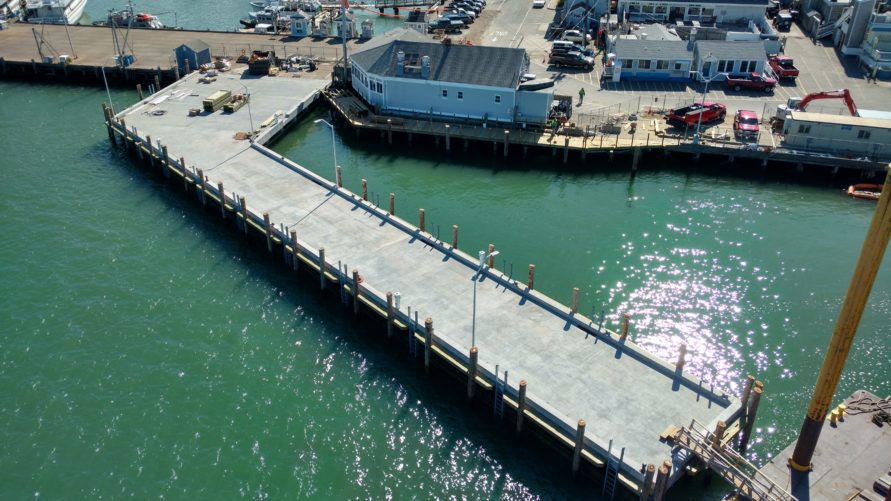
575	300
448	134
185	173
506	142
158	82
491	263
322	267
662	481
106	112
392	204
339	175
566	150
635	159
750	418
530	283
747	390
268	228
244	214
365	190
421	223
150	148
521	405
625	318
201	186
454	236
222	194
428	341
390	314
139	91
356	292
646	488
165	161
579	443
718	436
389	131
682	352
295	256
471	372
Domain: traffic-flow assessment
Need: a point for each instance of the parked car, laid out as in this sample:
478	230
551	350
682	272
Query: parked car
574	59
745	124
471	9
783	21
753	80
575	36
538	4
690	115
461	12
457	16
445	24
783	66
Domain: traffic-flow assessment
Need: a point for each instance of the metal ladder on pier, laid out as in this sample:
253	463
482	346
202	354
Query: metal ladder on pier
611	478
718	456
500	385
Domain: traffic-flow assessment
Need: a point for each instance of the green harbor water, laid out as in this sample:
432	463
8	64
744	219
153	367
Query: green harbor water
147	350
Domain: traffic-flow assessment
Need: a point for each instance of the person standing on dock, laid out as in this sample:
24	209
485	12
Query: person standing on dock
581	96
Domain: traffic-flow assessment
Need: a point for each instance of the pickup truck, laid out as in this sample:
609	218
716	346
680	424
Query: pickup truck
753	80
783	66
571	58
689	115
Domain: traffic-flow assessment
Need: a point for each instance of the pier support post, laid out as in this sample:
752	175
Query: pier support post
635	158
454	236
662	481
158	81
222	194
165	161
682	353
139	92
471	372
566	150
322	267
389	131
530	283
295	260
148	146
244	214
364	190
339	175
176	72
506	141
107	113
356	292
200	182
448	134
188	70
579	443
575	300
392	204
747	390
491	261
718	437
390	314
750	418
466	145
184	171
268	228
647	487
521	405
125	136
421	223
525	151
428	340
625	318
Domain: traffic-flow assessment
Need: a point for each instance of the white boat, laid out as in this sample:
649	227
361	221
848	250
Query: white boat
54	11
10	8
128	17
288	5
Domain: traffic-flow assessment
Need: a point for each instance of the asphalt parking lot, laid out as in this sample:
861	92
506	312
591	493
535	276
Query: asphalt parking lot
514	23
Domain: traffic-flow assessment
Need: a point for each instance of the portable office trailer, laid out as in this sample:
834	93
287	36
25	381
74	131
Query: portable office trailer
841	135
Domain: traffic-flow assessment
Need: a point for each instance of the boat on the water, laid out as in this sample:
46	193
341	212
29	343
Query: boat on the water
288	5
128	17
54	11
865	191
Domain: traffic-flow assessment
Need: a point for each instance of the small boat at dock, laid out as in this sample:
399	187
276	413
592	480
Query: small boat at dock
865	191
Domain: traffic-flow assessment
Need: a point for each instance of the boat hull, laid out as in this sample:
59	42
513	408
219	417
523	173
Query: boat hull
865	191
56	14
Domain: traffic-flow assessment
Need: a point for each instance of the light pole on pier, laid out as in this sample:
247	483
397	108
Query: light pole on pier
247	98
333	142
479	271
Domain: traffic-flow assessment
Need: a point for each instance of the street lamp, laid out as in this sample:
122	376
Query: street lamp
333	143
704	92
247	97
479	271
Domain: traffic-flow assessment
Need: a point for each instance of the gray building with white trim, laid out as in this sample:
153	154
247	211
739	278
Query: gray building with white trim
406	74
713	57
654	60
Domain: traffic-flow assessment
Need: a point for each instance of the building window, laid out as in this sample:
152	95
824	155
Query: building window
648	8
460	95
708	12
725	66
643	64
445	93
804	129
678	65
863	134
626	63
661	9
497	99
693	11
747	66
661	64
634	7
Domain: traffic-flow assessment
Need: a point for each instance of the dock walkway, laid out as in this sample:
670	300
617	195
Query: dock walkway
626	395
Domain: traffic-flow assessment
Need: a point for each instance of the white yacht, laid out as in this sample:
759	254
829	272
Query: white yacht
54	11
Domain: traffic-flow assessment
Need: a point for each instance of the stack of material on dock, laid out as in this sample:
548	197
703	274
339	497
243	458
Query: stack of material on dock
216	100
236	103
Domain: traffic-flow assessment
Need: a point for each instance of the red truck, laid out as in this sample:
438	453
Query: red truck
754	80
783	66
689	115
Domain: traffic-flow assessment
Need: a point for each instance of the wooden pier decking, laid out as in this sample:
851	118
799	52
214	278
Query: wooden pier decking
592	390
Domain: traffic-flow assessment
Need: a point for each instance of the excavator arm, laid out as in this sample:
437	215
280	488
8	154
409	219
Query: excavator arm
830	94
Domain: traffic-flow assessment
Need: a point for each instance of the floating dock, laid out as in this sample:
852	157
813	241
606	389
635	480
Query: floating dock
852	460
594	391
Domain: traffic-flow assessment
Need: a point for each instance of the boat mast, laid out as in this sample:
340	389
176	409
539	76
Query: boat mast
845	328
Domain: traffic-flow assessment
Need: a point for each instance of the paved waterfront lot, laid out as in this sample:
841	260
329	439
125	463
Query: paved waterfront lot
617	390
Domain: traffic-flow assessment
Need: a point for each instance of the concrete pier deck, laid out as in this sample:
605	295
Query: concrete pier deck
574	371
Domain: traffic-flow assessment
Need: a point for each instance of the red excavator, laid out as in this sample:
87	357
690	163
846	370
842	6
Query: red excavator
796	104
